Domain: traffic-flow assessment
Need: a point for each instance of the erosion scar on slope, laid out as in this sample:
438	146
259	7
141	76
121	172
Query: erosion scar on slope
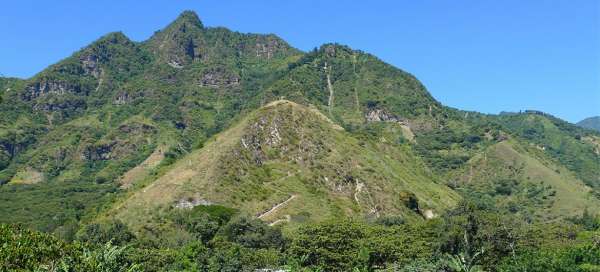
330	87
100	80
359	189
276	207
355	83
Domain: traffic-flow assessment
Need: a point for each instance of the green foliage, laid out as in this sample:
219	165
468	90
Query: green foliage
81	124
24	250
465	240
342	245
204	221
472	238
252	233
450	148
587	220
113	231
106	258
462	263
580	258
390	220
560	140
420	265
47	206
218	213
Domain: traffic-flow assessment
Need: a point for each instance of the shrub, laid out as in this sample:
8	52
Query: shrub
113	231
252	233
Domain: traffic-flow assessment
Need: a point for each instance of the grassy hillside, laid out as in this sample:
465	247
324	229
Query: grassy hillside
287	162
565	143
512	178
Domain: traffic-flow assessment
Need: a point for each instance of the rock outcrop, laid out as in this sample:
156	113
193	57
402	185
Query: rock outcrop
219	77
380	115
100	152
45	87
89	63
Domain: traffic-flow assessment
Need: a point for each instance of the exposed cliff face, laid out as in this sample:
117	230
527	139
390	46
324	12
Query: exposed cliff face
268	46
98	152
90	65
380	115
126	141
48	86
79	73
219	77
65	106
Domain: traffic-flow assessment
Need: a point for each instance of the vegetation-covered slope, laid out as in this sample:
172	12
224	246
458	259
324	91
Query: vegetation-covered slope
86	120
197	147
291	163
118	120
590	123
509	177
573	147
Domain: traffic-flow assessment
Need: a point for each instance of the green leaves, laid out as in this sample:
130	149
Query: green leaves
344	245
24	250
464	263
578	258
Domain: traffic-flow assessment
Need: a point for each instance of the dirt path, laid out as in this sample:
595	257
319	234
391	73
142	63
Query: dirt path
329	87
355	83
286	219
276	207
361	188
358	190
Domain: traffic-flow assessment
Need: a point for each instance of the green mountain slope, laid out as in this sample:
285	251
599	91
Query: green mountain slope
350	85
73	121
130	129
569	145
287	162
515	178
590	123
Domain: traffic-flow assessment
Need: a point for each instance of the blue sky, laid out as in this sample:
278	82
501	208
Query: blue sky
479	55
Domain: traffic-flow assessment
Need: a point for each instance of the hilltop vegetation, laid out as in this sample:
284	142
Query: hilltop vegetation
590	123
219	239
207	149
295	159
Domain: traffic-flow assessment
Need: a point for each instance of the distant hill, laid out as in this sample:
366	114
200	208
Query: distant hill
591	123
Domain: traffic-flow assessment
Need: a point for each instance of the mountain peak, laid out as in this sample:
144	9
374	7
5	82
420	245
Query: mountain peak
189	17
117	37
176	44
